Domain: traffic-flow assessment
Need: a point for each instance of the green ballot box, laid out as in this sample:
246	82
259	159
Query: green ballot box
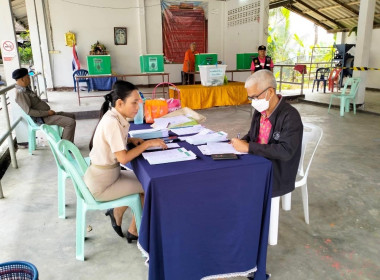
99	64
205	59
152	63
244	60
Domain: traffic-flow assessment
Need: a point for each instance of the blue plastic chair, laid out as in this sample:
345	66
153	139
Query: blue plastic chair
81	72
32	128
321	75
19	270
345	98
85	200
53	138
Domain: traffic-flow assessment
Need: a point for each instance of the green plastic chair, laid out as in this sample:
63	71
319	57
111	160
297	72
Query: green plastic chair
85	200
345	98
53	138
32	128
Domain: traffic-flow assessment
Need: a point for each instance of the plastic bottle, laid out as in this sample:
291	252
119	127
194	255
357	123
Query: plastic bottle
139	118
225	80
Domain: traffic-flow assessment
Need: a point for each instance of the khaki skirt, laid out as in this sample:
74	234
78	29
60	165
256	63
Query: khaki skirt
110	184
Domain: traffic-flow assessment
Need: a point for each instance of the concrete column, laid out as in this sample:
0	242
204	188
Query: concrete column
37	28
141	25
11	62
35	42
264	17
43	27
363	40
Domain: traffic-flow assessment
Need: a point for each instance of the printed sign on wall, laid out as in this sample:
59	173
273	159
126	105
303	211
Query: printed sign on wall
8	50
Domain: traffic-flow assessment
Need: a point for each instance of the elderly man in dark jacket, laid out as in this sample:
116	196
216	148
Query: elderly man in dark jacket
276	131
39	110
276	134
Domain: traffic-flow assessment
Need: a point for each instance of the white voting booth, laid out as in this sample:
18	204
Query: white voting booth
212	75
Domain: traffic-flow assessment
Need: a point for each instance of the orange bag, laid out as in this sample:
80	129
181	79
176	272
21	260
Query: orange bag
155	108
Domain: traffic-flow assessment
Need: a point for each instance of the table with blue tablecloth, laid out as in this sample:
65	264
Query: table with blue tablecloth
103	83
205	218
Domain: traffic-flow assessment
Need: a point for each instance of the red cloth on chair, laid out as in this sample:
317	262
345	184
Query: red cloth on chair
301	68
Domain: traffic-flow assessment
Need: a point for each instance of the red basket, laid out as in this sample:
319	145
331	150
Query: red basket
173	104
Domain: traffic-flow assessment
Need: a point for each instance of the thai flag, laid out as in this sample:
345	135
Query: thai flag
75	63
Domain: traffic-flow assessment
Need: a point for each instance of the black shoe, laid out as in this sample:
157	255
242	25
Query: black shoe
113	222
131	237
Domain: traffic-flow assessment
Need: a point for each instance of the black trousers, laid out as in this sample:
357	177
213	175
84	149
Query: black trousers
187	79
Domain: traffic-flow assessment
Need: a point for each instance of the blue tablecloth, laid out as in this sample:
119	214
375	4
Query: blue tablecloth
104	83
204	217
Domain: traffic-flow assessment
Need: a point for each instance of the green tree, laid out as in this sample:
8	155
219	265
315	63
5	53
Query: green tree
25	52
278	34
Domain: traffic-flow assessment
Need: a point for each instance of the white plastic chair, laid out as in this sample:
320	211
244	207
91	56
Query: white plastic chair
312	135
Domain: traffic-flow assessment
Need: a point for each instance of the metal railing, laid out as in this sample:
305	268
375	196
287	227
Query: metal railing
292	82
34	84
10	128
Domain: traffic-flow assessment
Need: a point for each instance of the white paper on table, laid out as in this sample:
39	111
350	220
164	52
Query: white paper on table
166	156
203	131
165	122
187	130
149	133
222	148
170	146
199	139
204	150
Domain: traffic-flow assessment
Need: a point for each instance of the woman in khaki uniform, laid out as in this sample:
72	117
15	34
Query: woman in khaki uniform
104	178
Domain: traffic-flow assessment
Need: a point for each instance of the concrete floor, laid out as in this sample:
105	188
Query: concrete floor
341	242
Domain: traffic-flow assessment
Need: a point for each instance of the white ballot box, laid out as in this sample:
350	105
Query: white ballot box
212	75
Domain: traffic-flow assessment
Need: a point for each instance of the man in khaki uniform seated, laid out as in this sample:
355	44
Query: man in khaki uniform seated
39	110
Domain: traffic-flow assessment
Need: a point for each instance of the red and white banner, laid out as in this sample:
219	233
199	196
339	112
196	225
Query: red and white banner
183	23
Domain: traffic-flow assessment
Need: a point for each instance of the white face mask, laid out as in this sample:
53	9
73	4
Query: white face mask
260	105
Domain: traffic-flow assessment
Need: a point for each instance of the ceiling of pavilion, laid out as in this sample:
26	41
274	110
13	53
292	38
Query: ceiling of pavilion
332	15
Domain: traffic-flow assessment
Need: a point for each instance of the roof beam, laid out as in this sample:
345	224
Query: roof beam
301	13
348	29
353	3
280	3
320	14
328	8
352	10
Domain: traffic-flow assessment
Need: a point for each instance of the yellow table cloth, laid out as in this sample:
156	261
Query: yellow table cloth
201	97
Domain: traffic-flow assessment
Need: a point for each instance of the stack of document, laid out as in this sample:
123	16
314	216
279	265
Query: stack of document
176	121
169	145
205	136
213	148
166	156
149	133
187	130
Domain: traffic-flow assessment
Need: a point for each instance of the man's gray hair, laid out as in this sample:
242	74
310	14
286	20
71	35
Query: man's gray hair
262	79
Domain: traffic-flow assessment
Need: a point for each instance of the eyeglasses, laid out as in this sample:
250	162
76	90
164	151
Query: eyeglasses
257	96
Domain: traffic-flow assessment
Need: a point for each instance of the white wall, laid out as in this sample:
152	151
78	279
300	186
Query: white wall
93	20
243	37
92	23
